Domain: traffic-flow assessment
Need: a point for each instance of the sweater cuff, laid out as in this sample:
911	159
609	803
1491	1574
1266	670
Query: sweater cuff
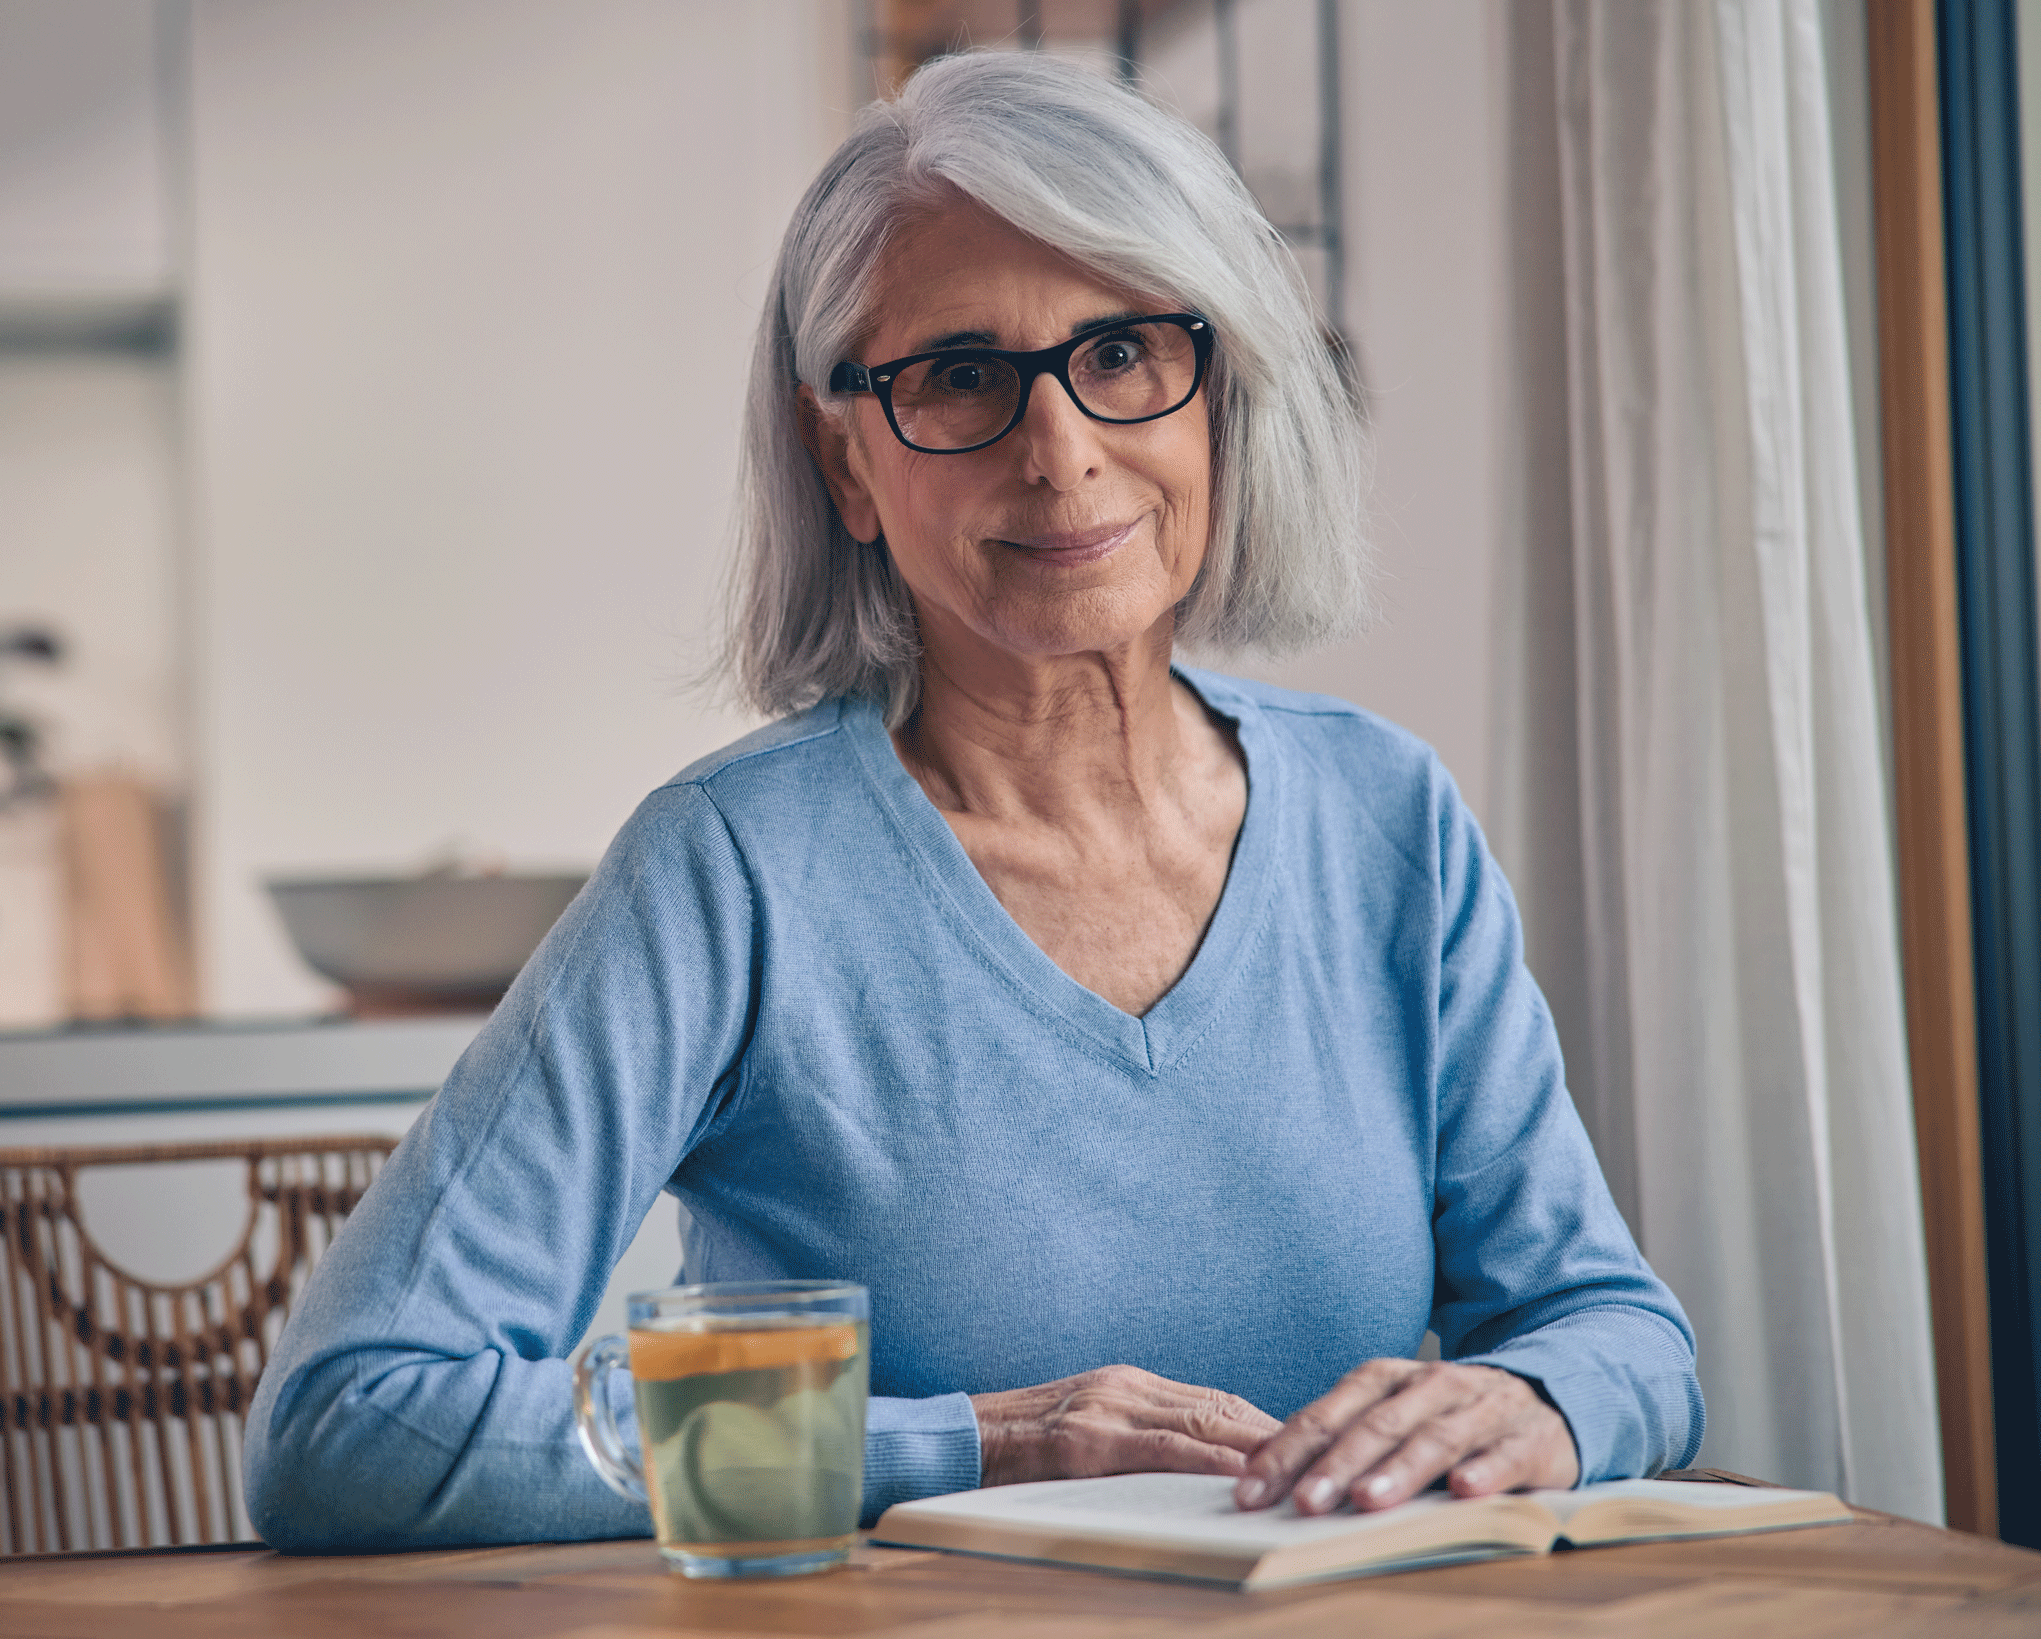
1590	1405
918	1448
1625	1418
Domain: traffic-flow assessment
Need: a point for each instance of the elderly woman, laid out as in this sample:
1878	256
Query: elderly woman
1156	1047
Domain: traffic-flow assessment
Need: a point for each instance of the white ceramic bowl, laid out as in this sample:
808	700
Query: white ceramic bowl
403	944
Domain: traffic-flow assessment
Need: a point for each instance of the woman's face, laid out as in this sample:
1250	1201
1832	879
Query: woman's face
1068	536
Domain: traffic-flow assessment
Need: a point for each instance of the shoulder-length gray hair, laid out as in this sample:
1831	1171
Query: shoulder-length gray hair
1133	194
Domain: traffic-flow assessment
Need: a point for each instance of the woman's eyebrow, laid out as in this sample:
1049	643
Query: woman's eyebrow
1124	316
985	338
959	338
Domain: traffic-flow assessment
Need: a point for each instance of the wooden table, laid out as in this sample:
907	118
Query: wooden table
1877	1576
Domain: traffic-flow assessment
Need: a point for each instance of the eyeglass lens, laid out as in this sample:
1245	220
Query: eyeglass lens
1128	373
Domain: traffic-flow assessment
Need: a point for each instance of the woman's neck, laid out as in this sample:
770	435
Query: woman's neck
1043	739
1098	798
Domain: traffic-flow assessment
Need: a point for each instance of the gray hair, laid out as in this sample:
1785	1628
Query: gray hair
1133	194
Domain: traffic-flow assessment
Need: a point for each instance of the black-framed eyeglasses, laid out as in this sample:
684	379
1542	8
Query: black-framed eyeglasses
964	398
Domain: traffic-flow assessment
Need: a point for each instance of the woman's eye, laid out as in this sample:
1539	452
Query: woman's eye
1115	355
964	378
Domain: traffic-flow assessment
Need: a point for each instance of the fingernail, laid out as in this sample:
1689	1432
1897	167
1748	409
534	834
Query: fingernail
1380	1486
1251	1492
1318	1494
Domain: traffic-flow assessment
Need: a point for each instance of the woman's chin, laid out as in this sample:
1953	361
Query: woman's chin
1079	623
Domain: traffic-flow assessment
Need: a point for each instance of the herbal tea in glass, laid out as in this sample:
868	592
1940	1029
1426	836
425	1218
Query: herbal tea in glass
751	1419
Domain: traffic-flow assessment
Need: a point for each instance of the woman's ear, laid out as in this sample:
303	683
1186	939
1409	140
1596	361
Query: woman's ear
828	441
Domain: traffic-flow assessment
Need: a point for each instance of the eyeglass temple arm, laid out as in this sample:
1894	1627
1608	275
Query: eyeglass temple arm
850	378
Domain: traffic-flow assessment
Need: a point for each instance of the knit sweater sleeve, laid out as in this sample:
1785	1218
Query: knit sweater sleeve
420	1394
1536	1271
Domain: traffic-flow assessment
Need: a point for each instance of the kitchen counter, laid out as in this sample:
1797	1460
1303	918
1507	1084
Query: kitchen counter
162	1070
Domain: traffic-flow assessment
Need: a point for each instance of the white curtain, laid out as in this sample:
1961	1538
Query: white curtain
1691	792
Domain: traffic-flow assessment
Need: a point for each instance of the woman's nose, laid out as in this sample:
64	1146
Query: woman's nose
1059	442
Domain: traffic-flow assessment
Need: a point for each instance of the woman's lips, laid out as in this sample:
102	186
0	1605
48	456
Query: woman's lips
1073	545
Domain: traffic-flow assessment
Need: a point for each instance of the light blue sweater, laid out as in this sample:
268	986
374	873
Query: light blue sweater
789	998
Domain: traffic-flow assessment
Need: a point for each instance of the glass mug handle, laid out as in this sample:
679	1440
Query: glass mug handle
595	1419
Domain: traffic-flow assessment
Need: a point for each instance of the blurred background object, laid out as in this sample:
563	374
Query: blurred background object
126	952
22	776
30	911
114	1362
439	942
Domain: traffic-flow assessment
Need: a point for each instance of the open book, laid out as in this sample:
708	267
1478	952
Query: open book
1185	1525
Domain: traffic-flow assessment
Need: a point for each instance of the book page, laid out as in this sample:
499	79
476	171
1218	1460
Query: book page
1187	1508
1642	1509
1674	1494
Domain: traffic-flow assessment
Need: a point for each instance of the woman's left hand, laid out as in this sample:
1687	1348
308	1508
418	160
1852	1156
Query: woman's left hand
1391	1427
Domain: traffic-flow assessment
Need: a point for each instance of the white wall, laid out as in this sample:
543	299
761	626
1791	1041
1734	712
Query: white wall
1424	298
472	293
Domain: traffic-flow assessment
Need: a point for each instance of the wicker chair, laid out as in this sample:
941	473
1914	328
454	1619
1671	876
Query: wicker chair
124	1398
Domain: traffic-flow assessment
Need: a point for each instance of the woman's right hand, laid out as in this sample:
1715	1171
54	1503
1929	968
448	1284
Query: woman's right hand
1114	1420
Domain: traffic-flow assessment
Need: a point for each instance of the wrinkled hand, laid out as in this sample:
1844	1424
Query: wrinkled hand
1115	1420
1391	1427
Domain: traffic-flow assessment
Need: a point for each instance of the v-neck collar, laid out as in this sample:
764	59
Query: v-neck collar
1172	1028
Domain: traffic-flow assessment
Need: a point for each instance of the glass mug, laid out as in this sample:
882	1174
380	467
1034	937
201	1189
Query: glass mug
751	1420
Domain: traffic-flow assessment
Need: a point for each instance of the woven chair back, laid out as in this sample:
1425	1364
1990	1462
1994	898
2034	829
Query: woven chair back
124	1397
